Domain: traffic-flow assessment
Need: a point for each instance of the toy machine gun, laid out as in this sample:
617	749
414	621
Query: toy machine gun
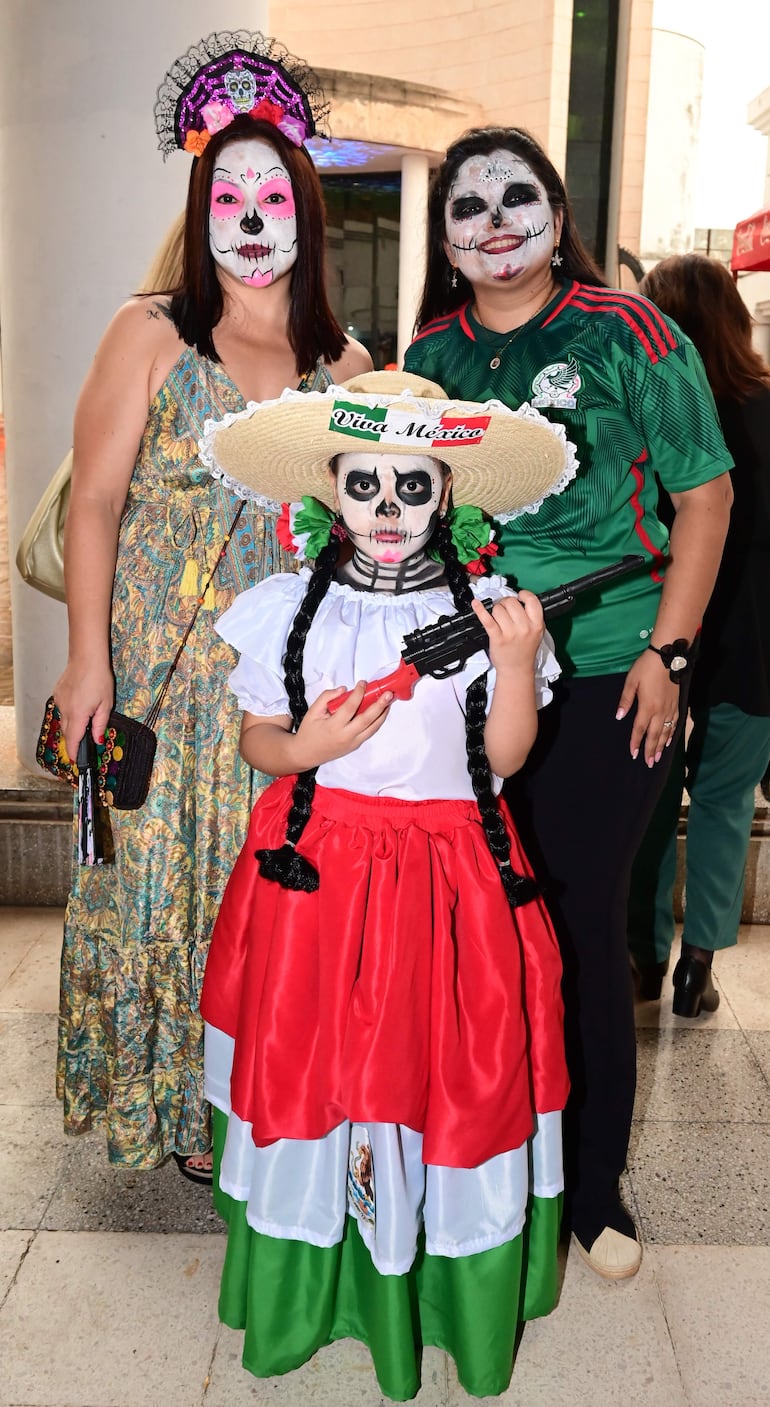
443	648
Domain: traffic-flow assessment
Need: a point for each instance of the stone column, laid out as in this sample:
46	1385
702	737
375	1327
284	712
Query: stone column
85	198
411	253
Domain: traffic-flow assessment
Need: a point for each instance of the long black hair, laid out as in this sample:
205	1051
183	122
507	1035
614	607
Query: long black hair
438	296
293	870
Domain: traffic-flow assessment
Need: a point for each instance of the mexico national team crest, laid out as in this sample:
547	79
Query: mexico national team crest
557	385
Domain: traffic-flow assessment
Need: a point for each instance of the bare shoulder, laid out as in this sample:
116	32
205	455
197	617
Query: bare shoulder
140	329
355	360
141	341
144	322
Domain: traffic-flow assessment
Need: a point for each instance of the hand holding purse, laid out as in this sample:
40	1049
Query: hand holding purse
124	760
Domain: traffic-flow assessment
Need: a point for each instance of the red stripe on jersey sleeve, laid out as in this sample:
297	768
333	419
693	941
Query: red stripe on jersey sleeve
635	328
646	312
441	324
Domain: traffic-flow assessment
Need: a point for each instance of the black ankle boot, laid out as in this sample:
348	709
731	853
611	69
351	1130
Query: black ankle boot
693	988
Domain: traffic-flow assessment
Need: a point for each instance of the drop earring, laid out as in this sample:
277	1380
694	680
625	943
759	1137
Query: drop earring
556	259
453	279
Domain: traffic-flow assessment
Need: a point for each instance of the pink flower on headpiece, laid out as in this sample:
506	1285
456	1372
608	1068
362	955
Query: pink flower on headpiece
293	128
216	116
196	142
265	111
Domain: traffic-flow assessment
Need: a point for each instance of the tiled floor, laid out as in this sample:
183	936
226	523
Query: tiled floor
108	1280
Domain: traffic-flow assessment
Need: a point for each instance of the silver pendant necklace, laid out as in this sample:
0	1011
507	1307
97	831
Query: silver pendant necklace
495	362
496	359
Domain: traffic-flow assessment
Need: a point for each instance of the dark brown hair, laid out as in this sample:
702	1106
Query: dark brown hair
197	303
700	295
439	296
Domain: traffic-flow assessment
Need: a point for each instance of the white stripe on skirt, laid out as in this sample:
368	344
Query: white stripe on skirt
302	1189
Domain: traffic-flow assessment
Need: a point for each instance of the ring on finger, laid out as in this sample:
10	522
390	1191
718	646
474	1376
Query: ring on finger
668	722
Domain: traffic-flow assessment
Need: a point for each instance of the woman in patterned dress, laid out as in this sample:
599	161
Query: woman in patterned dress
145	527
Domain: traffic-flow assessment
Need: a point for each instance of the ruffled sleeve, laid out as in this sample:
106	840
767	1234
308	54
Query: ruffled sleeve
547	668
257	625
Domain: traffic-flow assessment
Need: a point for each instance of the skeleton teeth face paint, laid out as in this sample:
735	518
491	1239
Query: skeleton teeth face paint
389	503
499	223
252	216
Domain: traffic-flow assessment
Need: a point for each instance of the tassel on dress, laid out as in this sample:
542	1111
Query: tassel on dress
189	583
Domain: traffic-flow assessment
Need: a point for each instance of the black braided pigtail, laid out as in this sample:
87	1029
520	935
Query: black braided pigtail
520	889
285	866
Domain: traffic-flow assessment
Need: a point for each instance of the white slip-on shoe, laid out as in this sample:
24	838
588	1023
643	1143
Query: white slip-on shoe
612	1255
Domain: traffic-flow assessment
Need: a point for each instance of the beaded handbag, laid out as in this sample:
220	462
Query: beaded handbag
122	763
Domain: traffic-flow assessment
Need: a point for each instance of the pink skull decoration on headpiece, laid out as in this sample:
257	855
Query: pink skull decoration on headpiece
237	73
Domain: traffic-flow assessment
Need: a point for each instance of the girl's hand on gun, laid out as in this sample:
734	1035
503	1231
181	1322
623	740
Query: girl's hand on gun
323	736
515	628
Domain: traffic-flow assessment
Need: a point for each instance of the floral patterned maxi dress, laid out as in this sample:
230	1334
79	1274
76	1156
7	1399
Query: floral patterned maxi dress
137	931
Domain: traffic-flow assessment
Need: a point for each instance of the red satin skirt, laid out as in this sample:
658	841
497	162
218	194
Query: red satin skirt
404	990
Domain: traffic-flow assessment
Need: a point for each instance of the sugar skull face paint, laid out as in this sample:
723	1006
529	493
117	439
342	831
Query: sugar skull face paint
389	503
252	215
499	223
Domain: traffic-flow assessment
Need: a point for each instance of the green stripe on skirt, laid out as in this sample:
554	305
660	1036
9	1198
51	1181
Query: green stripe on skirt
291	1298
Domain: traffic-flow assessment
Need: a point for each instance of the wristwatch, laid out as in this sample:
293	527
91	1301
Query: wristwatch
677	658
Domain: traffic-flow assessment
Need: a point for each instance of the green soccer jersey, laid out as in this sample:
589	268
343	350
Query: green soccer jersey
632	394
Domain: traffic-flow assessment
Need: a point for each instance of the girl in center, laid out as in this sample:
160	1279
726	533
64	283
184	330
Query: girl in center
382	1002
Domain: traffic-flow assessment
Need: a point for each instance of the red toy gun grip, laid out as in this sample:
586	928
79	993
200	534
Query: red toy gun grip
400	683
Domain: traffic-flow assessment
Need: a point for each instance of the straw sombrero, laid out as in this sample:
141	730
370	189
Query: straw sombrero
502	461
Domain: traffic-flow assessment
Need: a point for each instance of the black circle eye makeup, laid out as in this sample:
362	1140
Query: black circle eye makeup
361	486
521	193
414	489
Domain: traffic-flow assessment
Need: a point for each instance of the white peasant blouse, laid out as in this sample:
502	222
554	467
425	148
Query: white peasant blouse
419	752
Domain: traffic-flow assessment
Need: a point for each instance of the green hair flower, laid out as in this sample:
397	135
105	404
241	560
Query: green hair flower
472	535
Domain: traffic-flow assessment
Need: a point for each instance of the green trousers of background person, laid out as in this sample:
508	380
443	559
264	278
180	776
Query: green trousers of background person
722	763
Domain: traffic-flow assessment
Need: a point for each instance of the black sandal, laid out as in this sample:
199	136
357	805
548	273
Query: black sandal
203	1176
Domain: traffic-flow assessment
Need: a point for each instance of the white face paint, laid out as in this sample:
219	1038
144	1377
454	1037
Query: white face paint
252	216
499	224
389	503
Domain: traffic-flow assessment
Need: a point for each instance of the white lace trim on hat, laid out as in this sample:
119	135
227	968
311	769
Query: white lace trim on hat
269	505
211	428
528	412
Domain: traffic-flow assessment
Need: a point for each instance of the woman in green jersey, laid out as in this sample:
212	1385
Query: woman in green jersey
514	308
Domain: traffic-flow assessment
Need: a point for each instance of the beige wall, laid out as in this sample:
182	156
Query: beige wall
509	60
511	57
393	113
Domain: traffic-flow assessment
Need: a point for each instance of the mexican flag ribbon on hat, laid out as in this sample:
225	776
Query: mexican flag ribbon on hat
386	426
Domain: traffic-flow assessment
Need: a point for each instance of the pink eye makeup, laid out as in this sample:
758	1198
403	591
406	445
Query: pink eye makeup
226	199
278	197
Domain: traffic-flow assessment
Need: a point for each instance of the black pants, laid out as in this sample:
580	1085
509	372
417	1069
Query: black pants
581	805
